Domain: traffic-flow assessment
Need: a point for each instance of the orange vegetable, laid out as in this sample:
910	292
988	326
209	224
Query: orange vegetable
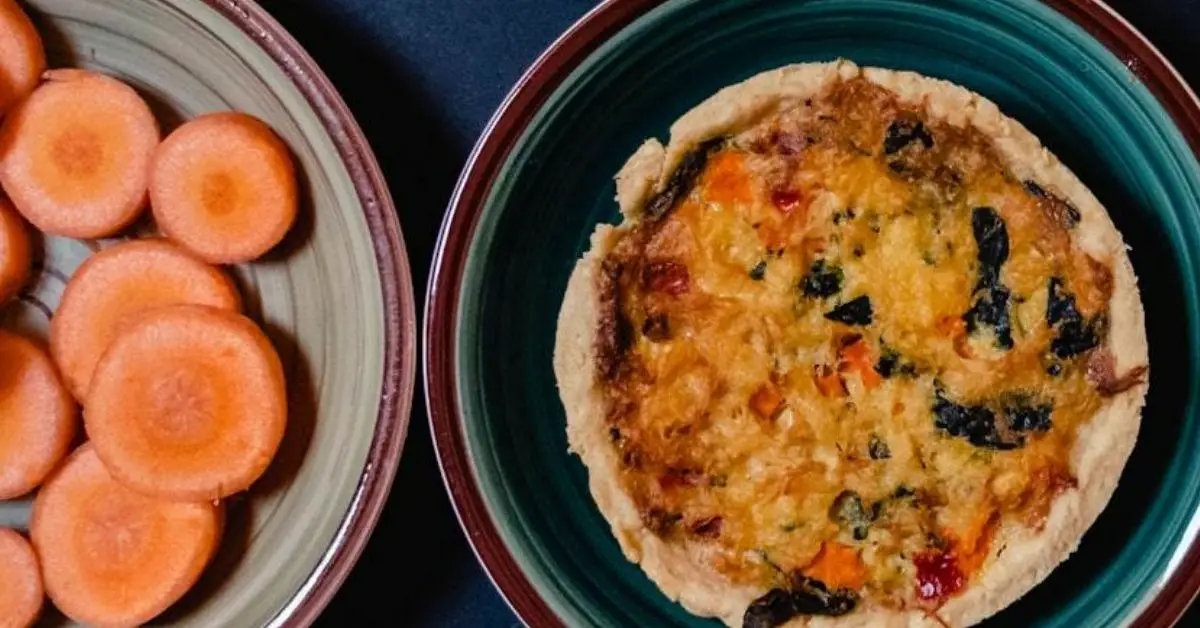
838	566
857	357
21	594
972	546
22	57
726	181
224	187
117	285
75	156
187	403
37	416
951	326
15	255
828	381
766	401
112	556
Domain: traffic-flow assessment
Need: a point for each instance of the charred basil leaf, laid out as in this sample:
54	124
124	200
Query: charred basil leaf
991	311
614	331
856	311
1060	304
683	179
759	271
1024	415
773	609
991	308
901	133
1073	335
848	512
977	424
890	363
1060	209
992	238
1073	339
823	280
812	597
878	449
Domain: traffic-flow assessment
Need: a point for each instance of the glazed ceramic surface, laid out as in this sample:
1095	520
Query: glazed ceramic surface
335	297
541	179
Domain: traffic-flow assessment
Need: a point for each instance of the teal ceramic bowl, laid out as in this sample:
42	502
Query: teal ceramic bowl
540	179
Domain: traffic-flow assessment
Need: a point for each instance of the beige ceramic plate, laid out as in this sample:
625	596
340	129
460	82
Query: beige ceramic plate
336	297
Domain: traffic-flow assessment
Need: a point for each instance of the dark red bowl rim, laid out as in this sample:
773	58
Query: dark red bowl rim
400	349
479	174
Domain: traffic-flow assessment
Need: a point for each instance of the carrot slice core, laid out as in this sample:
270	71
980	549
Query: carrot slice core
188	403
75	156
112	556
224	186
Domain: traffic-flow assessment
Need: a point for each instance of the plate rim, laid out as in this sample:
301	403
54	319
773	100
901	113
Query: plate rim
479	174
399	302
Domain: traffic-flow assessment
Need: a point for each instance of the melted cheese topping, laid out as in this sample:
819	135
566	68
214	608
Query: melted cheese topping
752	422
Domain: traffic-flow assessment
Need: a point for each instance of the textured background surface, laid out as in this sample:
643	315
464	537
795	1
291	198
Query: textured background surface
422	77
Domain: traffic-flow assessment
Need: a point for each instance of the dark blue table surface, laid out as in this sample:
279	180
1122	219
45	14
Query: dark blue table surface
422	77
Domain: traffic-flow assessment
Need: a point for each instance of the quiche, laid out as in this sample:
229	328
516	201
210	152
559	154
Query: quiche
861	352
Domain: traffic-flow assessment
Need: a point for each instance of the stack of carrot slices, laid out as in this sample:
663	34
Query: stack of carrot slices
184	400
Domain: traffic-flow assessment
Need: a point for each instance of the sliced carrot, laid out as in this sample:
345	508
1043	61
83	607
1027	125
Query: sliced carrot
766	401
75	156
21	594
188	403
828	381
857	357
726	180
224	186
37	416
112	556
22	57
838	566
118	285
15	252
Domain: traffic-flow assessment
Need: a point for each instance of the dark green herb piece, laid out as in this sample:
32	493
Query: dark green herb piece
848	512
977	424
901	133
823	280
1023	415
759	271
991	307
683	179
1073	335
805	596
856	311
890	363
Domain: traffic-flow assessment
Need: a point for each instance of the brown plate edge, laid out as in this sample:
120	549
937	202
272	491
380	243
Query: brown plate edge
479	174
400	353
